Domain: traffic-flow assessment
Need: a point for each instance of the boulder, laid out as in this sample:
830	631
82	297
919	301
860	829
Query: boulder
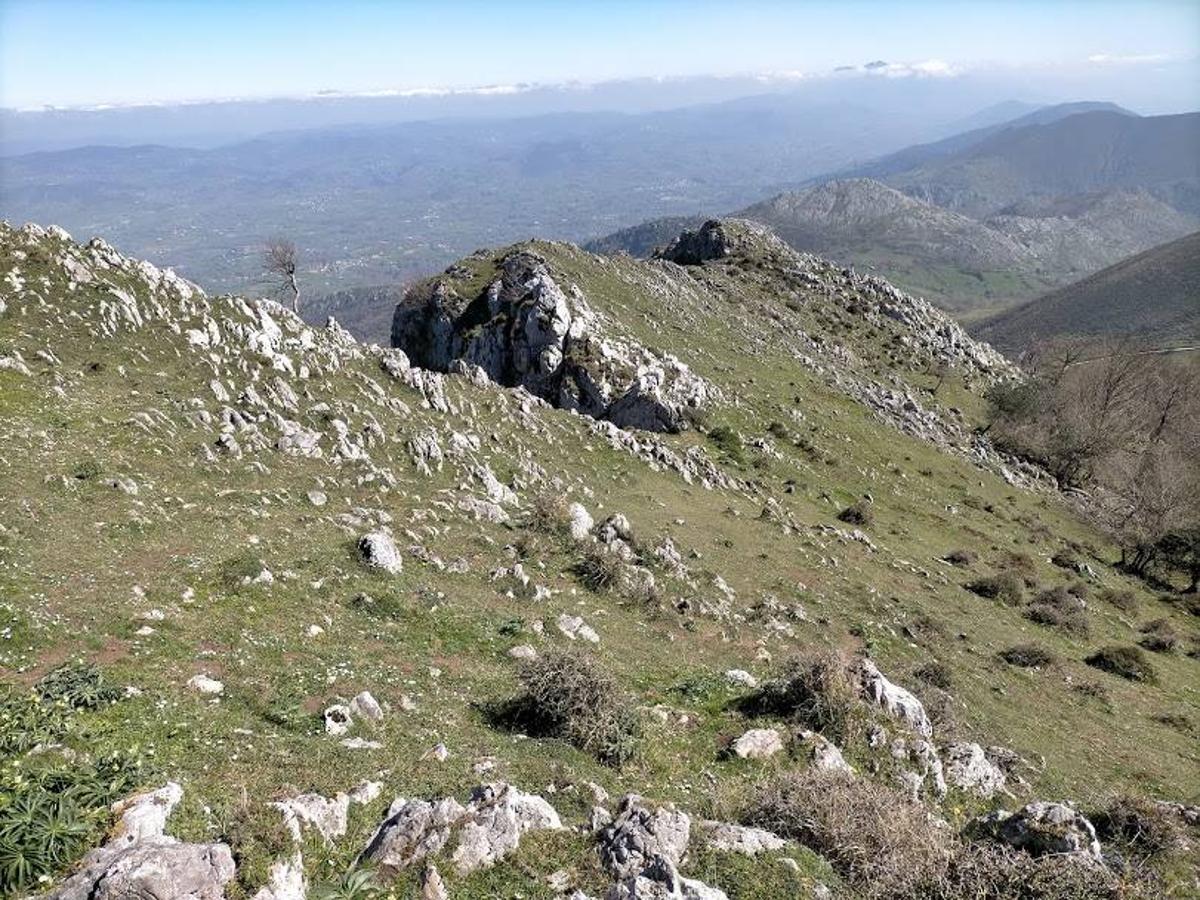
498	814
893	699
968	768
639	834
758	743
378	550
579	522
1042	828
412	830
741	838
823	754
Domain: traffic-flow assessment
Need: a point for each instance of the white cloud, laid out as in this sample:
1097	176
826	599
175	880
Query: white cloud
1132	59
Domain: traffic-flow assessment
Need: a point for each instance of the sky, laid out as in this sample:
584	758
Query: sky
87	52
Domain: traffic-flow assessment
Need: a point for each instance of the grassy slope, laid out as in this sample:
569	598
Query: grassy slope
72	561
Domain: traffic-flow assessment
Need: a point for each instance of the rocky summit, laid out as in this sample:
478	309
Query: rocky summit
690	577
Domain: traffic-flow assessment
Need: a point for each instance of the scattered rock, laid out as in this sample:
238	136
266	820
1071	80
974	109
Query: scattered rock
638	834
758	743
203	684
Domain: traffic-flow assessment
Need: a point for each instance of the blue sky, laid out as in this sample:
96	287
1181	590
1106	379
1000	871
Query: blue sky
78	52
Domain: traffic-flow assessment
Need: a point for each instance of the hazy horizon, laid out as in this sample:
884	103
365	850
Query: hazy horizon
1140	54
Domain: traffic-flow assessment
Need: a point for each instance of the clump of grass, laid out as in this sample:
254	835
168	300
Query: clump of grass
1059	609
873	834
1007	587
571	697
860	514
1029	656
1065	559
78	685
1159	636
817	689
1127	662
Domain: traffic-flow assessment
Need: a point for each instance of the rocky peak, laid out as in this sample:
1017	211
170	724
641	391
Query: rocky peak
718	239
524	330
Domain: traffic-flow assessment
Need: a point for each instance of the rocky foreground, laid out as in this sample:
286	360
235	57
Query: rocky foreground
666	579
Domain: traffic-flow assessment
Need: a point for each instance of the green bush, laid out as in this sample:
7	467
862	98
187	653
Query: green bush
729	443
860	514
1007	587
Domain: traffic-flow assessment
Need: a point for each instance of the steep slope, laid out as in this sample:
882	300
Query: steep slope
1094	151
1153	297
366	312
955	261
307	571
921	154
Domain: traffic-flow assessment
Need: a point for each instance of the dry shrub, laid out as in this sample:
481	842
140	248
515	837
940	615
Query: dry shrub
549	513
935	674
1007	587
1127	662
872	834
1059	609
601	569
818	689
860	514
1029	656
986	871
1159	636
570	696
1142	825
960	557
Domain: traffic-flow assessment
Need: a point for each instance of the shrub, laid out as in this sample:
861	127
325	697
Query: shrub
860	514
988	871
1029	656
1065	559
816	688
1141	824
1006	587
1058	609
961	557
601	569
569	696
872	833
1124	600
935	674
1127	662
728	442
1159	636
549	513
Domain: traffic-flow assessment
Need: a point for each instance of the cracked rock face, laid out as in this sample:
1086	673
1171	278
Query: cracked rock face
969	768
894	700
488	828
660	880
1041	828
525	331
638	834
141	861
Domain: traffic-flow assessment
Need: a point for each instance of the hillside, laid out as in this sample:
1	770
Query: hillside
520	623
1089	152
949	258
959	263
921	154
365	312
1153	297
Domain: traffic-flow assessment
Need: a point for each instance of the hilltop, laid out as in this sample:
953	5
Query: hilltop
566	595
1153	297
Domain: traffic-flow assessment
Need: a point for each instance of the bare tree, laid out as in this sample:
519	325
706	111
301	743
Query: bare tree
279	264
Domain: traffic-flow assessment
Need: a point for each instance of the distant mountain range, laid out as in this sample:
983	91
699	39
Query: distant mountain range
1153	296
997	215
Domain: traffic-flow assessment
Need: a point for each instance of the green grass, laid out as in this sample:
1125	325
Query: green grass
81	564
